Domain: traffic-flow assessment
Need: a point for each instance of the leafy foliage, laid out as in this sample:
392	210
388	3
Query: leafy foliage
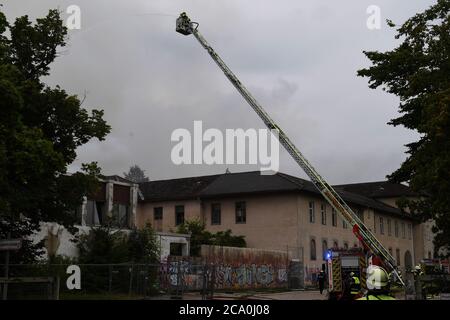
136	174
40	129
418	72
142	245
200	236
105	245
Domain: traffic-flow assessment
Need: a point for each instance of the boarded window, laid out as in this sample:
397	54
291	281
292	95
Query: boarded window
121	194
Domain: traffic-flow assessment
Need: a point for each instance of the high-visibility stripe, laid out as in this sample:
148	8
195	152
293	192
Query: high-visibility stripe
337	275
362	268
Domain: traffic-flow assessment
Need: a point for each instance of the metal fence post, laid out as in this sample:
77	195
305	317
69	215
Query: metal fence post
131	279
110	279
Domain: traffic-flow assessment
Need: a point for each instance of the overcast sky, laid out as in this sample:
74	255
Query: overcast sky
298	58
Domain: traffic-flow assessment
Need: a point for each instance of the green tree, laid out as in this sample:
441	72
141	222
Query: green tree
418	72
136	174
200	236
40	129
103	245
142	245
225	238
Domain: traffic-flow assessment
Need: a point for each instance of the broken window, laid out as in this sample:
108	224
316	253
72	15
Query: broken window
215	213
95	211
120	215
179	215
241	214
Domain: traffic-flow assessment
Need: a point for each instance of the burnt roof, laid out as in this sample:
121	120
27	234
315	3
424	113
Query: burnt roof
379	189
245	183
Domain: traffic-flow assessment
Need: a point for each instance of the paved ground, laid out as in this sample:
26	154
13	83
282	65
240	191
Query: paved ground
289	295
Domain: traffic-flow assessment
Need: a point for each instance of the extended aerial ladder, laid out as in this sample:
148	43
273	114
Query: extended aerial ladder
185	26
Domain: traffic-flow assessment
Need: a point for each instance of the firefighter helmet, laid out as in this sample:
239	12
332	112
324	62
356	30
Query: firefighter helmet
377	278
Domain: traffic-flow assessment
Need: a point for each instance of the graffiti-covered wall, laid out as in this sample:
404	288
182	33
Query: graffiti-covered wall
244	268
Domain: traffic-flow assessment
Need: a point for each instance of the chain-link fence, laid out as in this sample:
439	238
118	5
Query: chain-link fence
170	279
104	281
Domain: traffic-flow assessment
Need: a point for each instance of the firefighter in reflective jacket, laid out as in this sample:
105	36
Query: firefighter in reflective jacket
377	284
355	284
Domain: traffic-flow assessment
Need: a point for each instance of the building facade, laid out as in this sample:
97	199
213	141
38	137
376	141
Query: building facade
282	212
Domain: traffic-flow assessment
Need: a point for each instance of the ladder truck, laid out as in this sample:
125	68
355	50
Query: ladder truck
187	27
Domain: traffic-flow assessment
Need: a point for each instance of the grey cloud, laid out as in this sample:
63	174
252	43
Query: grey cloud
299	58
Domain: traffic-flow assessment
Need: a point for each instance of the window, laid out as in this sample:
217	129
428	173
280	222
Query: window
241	216
333	217
313	249
397	253
374	224
403	230
429	254
215	213
120	215
409	230
312	217
157	213
390	251
344	224
179	215
323	211
324	248
345	245
381	226
95	211
396	228
389	227
335	245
